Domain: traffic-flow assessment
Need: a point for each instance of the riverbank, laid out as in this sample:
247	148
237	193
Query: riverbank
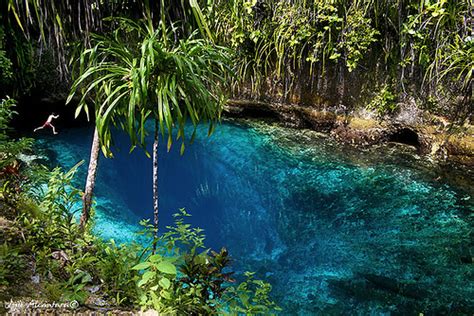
432	136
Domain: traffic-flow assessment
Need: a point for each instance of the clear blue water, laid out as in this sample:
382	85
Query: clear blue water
336	230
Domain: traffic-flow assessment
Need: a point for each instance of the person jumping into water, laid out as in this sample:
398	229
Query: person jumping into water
48	123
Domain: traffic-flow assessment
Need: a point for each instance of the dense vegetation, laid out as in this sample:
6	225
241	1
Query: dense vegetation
42	245
421	47
418	49
126	62
173	81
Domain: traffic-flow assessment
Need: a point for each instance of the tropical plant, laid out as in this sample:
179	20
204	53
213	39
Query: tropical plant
66	29
12	263
52	225
10	149
185	278
276	41
114	265
356	37
139	72
6	65
384	102
252	297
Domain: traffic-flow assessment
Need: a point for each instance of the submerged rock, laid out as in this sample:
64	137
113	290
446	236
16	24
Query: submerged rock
399	287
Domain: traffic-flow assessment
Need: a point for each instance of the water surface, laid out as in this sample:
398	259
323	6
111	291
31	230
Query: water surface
336	230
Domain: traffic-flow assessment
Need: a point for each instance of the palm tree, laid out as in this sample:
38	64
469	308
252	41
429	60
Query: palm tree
58	23
139	72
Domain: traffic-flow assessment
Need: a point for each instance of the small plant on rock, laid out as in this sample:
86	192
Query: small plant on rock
384	102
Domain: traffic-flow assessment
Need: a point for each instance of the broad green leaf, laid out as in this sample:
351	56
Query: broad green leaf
166	267
155	300
165	294
142	266
165	283
155	258
146	277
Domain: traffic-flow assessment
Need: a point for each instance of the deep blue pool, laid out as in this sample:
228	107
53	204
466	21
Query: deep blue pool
336	230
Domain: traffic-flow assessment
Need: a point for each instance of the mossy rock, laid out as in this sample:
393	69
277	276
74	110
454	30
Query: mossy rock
461	145
321	121
363	123
7	229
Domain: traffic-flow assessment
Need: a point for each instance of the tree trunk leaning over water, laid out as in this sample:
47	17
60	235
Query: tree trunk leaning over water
155	185
90	182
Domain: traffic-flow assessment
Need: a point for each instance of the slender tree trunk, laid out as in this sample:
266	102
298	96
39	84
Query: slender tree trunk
155	185
341	86
90	182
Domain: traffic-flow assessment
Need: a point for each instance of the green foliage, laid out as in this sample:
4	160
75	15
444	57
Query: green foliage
182	236
58	23
12	264
274	38
6	114
114	266
384	102
421	44
68	258
6	73
73	289
411	40
253	297
356	37
182	276
155	283
328	25
54	226
458	62
9	149
185	278
138	72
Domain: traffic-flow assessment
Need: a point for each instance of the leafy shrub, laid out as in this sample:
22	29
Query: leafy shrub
383	102
185	278
54	227
74	290
6	73
12	264
356	37
9	149
252	297
114	266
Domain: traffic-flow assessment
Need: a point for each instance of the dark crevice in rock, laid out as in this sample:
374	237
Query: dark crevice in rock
405	136
263	113
251	109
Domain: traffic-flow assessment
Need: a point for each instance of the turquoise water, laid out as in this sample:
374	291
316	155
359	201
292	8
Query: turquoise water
336	230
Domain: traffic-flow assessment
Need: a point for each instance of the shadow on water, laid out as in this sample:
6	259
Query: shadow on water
334	229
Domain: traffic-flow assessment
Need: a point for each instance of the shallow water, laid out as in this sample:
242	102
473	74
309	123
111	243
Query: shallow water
335	229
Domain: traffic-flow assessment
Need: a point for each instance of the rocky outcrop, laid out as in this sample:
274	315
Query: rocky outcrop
431	136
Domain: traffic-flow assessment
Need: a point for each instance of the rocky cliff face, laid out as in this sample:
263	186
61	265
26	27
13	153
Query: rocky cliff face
433	136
